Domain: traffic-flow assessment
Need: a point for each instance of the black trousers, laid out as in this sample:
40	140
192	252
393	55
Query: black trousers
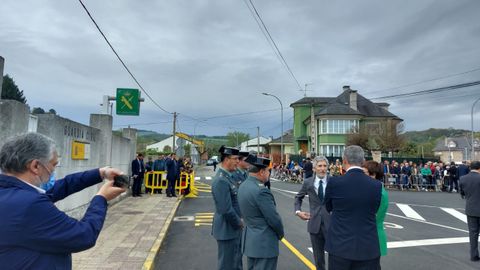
318	246
137	185
338	263
171	187
453	181
473	229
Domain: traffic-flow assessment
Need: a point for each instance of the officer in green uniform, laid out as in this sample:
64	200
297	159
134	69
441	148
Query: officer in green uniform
227	223
241	173
264	226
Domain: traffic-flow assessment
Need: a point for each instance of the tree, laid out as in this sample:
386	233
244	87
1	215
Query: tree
11	91
358	137
390	140
236	138
38	110
52	111
167	149
187	148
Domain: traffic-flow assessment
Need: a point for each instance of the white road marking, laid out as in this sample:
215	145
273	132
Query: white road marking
427	242
409	212
423	205
208	178
274	180
284	190
429	223
392	225
456	214
423	242
197	177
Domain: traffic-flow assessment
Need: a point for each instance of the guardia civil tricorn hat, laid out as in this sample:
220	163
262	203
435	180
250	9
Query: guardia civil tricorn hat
228	150
258	162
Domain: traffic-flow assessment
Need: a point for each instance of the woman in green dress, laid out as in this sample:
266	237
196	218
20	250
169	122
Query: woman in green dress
375	170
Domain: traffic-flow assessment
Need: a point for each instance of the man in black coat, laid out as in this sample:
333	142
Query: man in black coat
172	173
138	171
353	200
307	169
453	171
470	190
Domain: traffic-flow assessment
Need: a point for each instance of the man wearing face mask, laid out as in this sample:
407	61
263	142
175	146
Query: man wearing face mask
34	233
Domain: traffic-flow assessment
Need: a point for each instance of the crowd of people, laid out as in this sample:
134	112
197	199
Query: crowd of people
405	175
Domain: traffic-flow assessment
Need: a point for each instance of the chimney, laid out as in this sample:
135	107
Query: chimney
346	88
353	100
2	62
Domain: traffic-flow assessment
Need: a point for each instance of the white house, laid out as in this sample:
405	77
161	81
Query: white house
251	145
179	143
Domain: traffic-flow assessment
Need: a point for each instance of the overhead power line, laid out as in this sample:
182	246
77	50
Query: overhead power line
429	80
266	33
120	59
430	91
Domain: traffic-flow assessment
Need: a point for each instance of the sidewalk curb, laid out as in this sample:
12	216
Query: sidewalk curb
149	263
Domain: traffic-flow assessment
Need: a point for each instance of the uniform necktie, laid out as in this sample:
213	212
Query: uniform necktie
320	191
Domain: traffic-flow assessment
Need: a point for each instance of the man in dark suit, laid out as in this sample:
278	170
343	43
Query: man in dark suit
172	173
318	217
353	199
307	169
470	190
138	171
34	233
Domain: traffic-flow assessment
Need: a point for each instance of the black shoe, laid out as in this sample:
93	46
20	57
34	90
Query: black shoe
475	259
168	195
174	195
139	195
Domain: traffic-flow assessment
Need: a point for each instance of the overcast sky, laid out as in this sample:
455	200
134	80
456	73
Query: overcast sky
207	58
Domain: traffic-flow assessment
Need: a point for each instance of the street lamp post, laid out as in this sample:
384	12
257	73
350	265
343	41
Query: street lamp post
472	158
281	119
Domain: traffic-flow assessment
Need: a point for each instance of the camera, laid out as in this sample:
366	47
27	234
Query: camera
121	181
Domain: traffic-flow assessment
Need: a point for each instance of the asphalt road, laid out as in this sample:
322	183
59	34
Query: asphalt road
425	231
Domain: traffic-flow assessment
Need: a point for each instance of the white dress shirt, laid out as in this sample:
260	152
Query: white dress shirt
316	184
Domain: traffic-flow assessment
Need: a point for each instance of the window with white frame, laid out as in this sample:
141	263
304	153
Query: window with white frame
337	126
332	150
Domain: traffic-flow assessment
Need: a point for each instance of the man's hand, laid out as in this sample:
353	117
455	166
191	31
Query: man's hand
304	215
108	191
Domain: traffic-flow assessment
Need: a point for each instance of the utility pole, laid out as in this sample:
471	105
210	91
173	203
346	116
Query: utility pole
258	140
472	158
174	131
2	63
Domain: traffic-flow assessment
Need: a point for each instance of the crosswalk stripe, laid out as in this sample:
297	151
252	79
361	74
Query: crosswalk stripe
197	177
423	242
208	178
409	212
455	213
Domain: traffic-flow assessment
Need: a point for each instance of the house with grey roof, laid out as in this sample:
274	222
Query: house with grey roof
456	149
336	117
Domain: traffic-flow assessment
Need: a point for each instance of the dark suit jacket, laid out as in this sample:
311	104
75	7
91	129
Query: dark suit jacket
35	234
308	169
470	188
353	199
138	168
318	212
171	166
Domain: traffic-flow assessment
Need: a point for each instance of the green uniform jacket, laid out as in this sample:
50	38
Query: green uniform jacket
226	221
381	213
263	223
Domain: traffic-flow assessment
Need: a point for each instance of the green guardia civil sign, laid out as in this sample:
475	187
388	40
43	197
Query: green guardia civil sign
128	101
